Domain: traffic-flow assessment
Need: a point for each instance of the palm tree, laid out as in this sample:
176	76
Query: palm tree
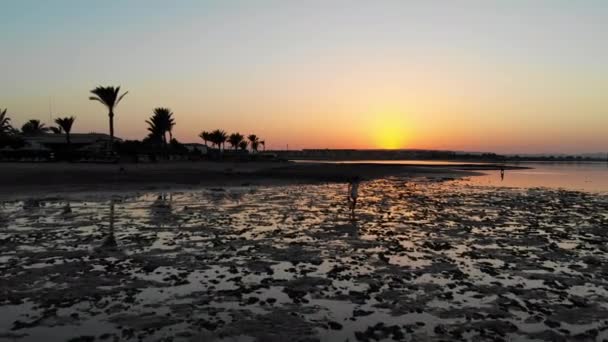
166	121
235	139
223	137
160	123
263	143
254	141
33	127
206	136
243	145
56	130
5	123
212	139
156	130
108	96
170	123
66	125
219	138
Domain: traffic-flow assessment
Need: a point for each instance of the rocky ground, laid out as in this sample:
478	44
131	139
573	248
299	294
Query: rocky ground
420	260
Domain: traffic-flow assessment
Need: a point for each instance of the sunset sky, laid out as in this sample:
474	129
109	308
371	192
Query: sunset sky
503	76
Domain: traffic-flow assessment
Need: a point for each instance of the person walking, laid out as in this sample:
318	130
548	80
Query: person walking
353	193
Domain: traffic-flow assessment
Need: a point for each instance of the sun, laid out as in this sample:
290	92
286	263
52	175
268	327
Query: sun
390	137
389	133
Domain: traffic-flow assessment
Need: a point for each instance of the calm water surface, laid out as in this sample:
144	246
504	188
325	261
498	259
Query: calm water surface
399	162
588	176
591	176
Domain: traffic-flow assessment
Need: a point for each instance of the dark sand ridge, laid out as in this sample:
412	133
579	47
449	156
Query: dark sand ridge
22	179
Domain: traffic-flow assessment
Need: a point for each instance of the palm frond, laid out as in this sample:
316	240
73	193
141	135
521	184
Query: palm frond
65	123
121	96
94	98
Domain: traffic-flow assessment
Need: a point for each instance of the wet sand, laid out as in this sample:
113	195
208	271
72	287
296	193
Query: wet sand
422	260
22	179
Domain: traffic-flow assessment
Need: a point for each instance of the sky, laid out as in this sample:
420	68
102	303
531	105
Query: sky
510	76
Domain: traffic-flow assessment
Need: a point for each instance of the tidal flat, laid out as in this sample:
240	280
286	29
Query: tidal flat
421	259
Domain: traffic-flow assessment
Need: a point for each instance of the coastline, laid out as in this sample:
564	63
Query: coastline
24	179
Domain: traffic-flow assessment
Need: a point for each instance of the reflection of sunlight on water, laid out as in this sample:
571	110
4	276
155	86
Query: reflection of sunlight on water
398	162
587	177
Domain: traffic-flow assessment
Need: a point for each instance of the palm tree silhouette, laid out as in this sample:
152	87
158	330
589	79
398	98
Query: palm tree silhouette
56	130
235	139
223	137
243	145
263	143
33	127
108	96
66	125
254	141
219	138
213	138
160	123
206	136
5	123
165	117
156	130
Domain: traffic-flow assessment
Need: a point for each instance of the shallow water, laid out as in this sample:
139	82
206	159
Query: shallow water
584	176
398	162
589	176
420	260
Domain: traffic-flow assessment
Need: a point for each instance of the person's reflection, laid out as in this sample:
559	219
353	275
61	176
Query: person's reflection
217	197
109	242
31	203
354	233
353	193
236	196
67	209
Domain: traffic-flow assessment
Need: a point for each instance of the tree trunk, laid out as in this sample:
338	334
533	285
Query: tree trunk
67	138
111	115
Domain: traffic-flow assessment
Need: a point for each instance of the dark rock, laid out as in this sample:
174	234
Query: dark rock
82	339
360	313
252	300
334	325
552	324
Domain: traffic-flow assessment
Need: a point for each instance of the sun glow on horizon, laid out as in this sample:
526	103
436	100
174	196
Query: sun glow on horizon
389	131
505	78
389	138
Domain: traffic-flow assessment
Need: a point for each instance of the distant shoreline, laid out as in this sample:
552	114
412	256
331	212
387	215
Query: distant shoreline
27	179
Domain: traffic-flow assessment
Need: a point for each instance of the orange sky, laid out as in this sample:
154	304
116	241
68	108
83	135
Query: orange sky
481	77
